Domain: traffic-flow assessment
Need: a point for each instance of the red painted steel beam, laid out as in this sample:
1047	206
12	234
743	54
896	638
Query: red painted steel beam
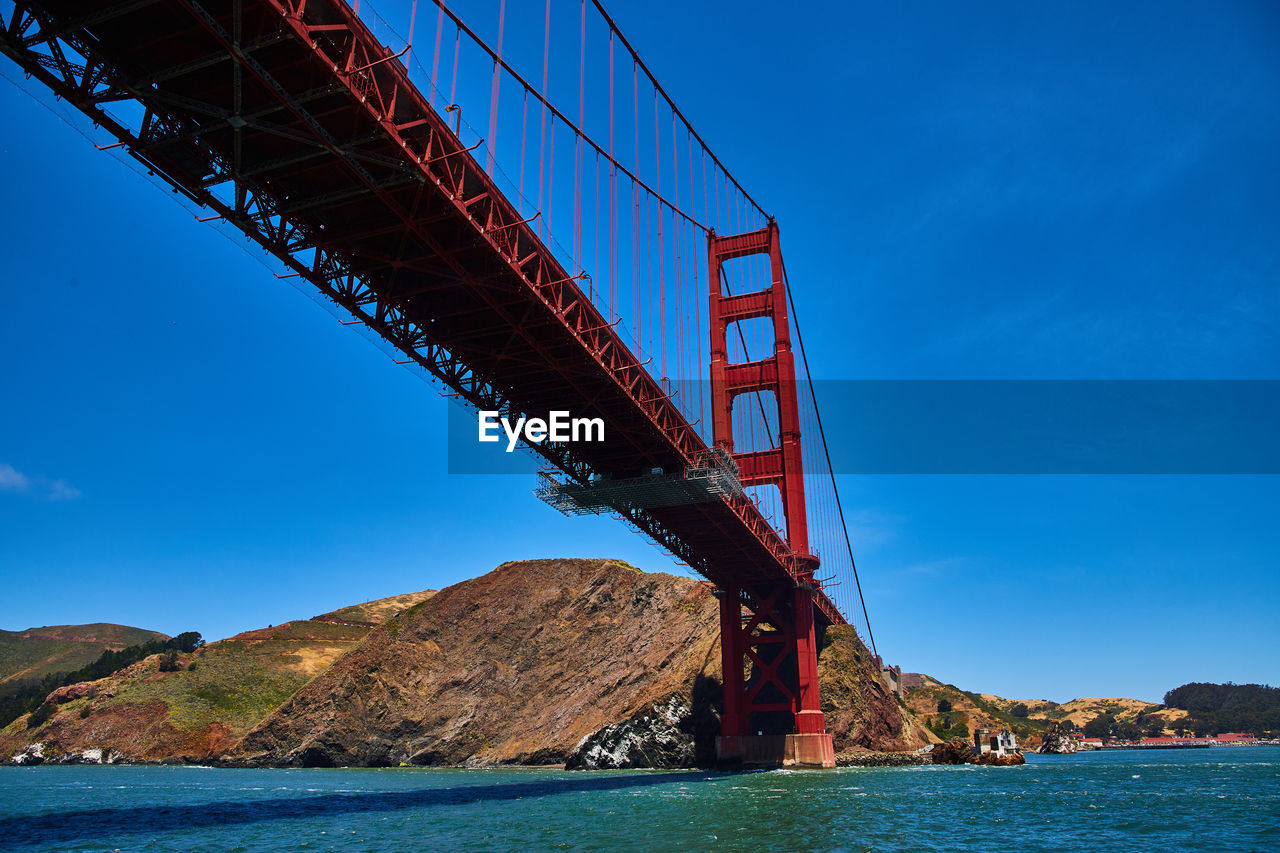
442	262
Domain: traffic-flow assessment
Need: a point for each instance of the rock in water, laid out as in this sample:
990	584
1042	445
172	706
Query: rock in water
952	752
1056	741
515	667
32	753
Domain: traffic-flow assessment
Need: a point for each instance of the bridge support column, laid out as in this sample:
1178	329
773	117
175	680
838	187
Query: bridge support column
809	719
774	717
733	720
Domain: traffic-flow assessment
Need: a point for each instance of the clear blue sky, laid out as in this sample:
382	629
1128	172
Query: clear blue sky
1031	191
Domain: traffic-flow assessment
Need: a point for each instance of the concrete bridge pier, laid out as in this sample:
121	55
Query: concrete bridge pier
772	714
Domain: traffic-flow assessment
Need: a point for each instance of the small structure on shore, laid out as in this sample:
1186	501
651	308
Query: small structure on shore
1000	744
997	750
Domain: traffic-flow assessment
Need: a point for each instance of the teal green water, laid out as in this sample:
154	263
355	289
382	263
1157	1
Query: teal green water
1215	799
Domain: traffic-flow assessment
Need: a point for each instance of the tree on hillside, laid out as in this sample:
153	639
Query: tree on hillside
1128	731
1020	710
42	713
944	706
1152	727
1100	726
1212	708
20	697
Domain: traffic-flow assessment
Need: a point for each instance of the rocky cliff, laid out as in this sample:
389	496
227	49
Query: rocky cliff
516	666
861	712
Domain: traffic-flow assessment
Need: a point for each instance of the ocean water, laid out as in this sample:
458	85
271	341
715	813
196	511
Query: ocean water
1214	799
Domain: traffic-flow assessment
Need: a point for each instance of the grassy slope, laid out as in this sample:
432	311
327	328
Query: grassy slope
240	680
36	652
376	612
989	710
973	709
220	692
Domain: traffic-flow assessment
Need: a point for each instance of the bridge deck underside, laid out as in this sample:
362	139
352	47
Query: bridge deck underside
247	114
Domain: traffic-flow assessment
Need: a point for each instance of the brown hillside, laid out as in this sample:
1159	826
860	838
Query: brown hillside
37	652
1081	711
373	613
221	692
923	700
861	711
923	693
516	666
200	711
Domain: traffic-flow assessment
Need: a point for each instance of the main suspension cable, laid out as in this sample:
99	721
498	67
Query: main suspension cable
795	320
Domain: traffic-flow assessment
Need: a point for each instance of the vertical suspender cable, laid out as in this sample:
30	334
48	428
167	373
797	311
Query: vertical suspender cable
435	61
635	200
595	254
551	173
524	119
542	122
675	280
492	141
453	81
577	143
662	263
827	452
613	201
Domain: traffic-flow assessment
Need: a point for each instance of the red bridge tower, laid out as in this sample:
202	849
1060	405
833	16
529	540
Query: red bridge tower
772	710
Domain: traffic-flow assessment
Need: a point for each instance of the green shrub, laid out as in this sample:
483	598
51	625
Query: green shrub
40	715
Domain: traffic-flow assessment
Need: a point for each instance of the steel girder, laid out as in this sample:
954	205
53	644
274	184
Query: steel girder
182	142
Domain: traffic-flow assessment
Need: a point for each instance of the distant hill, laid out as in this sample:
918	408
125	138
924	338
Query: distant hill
209	701
37	652
969	711
518	665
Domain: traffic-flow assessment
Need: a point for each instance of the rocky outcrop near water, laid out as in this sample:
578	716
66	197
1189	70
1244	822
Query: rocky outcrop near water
882	759
1055	740
991	759
29	755
951	752
666	735
960	752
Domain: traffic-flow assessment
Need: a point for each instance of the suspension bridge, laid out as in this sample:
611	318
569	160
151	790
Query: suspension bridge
533	223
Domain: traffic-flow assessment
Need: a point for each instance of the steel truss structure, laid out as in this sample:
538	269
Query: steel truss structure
290	121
